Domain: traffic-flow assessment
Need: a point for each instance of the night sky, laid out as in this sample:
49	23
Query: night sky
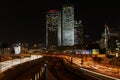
24	21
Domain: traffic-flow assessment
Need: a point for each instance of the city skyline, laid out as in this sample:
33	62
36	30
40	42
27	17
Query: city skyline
25	21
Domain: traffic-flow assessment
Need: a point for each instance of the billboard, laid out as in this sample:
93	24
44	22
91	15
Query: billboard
83	51
95	51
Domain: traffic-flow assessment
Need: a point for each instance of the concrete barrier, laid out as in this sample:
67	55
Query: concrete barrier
20	69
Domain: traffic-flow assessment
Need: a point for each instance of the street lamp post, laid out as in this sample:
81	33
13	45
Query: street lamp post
117	62
45	67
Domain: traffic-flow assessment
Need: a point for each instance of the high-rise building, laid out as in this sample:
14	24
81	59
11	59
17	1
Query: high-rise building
53	28
78	33
68	25
105	37
108	39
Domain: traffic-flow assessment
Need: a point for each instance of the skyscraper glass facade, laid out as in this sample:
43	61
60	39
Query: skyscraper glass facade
53	28
68	25
78	32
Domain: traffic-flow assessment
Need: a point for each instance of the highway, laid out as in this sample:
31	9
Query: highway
96	75
55	71
97	71
56	67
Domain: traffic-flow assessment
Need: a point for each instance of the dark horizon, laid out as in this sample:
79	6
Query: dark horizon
25	21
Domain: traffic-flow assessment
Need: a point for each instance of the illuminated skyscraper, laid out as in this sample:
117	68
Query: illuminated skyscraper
68	25
78	32
53	28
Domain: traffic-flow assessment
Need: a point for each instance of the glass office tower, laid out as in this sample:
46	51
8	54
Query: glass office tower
78	33
68	25
53	28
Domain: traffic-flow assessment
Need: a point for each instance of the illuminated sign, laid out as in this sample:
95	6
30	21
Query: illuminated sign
83	51
95	51
52	11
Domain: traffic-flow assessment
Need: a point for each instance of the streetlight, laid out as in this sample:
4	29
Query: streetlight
117	59
45	68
